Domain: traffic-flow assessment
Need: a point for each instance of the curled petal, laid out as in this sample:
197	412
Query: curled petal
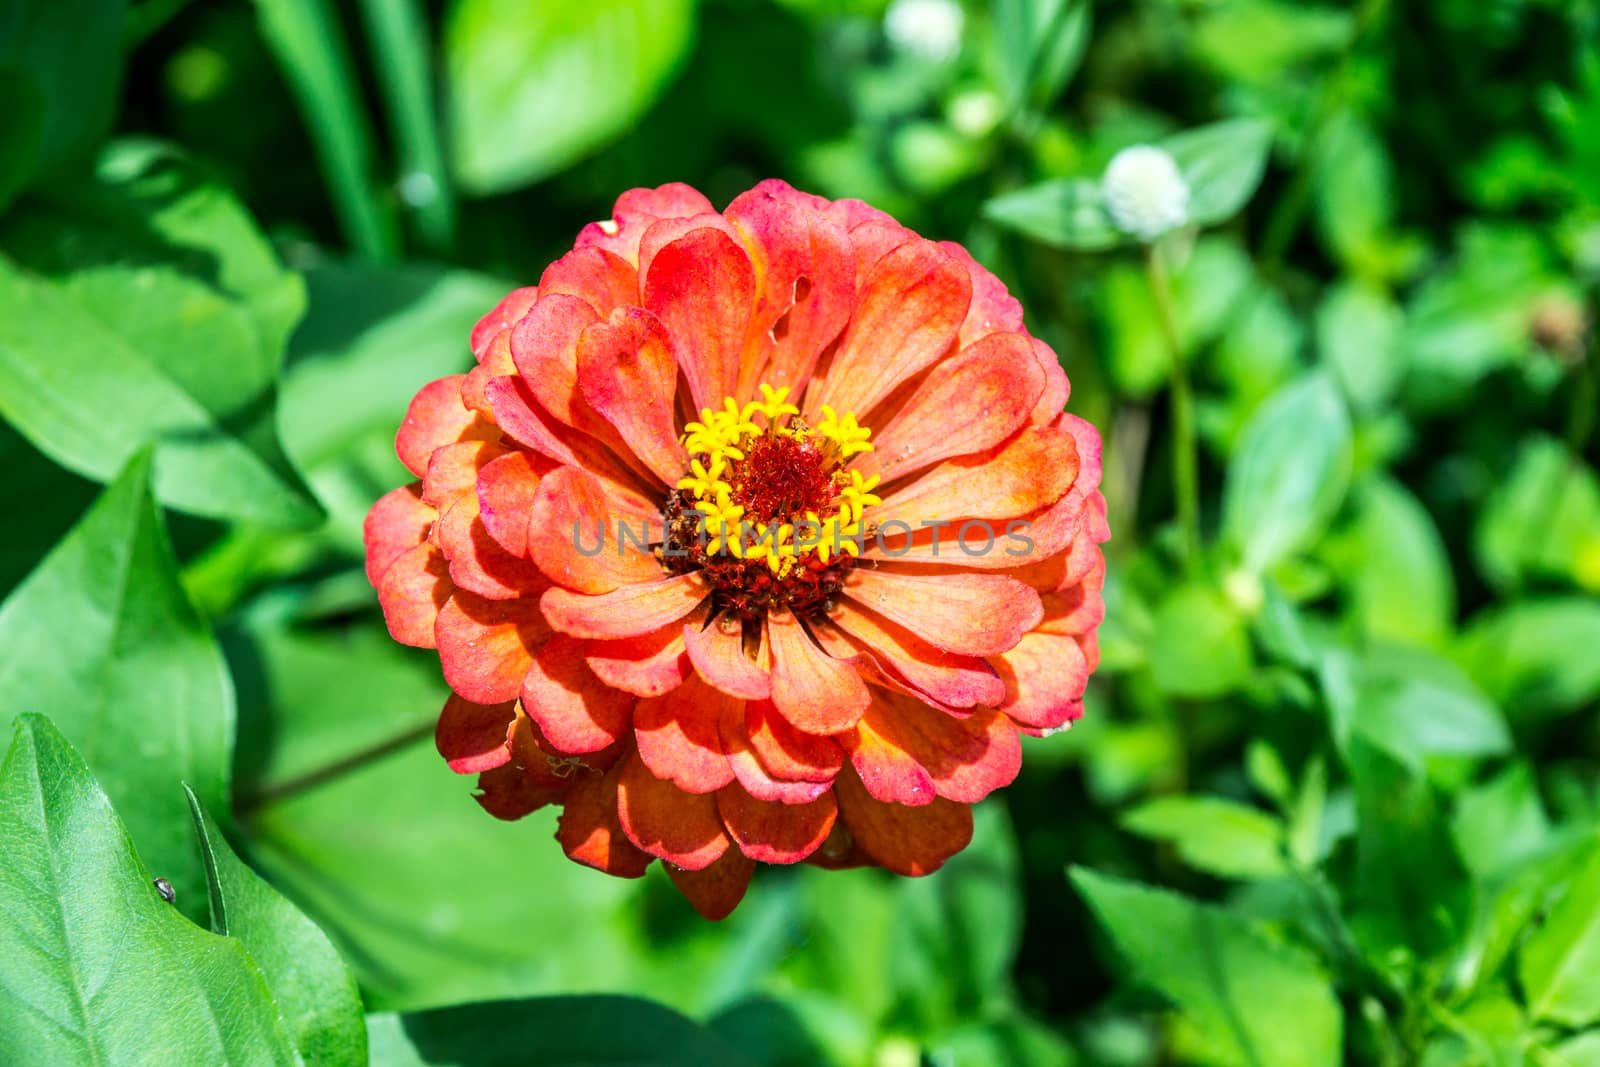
959	611
909	841
1045	676
478	563
577	542
636	211
397	523
993	308
678	738
601	279
702	289
496	362
718	654
474	737
776	833
576	711
646	666
590	831
964	759
715	890
628	375
505	314
437	417
487	646
1056	387
626	612
753	776
412	591
679	827
880	757
453	470
956	681
815	692
507	488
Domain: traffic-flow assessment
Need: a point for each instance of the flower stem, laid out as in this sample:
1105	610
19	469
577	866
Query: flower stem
1185	449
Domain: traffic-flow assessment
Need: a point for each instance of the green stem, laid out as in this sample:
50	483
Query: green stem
1185	445
250	800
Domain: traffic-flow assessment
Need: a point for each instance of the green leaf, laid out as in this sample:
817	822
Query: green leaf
145	306
1288	474
1501	824
1359	331
1042	42
313	990
1217	836
101	636
1413	890
1394	567
1535	657
100	969
1248	999
1542	520
554	1031
1222	164
1200	648
1559	965
1354	194
1412	704
60	69
535	85
1064	213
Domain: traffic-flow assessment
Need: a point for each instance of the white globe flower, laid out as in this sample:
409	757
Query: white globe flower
1145	193
930	29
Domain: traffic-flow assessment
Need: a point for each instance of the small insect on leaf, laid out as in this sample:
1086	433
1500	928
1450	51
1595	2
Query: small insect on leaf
164	887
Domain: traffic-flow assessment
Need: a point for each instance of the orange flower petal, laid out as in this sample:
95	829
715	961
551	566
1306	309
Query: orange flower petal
679	827
397	523
1031	471
715	890
412	591
1078	610
478	563
506	488
787	753
436	418
505	315
511	793
1045	676
752	775
702	288
678	737
1056	388
811	689
966	758
628	374
591	833
880	756
626	612
636	211
1014	544
544	346
956	681
970	403
1088	441
776	833
909	841
601	279
474	737
912	304
486	646
453	470
576	541
646	666
576	712
993	307
961	612
717	652
494	363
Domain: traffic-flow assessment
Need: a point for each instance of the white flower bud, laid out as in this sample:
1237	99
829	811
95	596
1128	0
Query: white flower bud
1145	193
930	29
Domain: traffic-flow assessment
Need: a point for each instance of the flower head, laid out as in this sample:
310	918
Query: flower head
753	536
1145	192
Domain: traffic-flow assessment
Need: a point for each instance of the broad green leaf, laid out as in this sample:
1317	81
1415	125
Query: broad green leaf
535	85
1559	965
1359	332
1510	905
1260	41
1288	474
1580	1051
1535	656
60	68
100	969
55	500
1246	998
1064	212
1501	824
307	978
1542	520
1355	196
1222	164
1413	891
1009	1042
1394	567
145	306
1041	43
1217	836
102	638
553	1031
1200	648
1412	704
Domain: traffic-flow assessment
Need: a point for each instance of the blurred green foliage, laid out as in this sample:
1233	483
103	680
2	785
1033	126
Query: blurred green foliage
1336	797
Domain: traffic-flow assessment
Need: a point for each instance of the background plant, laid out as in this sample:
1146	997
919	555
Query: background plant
1336	795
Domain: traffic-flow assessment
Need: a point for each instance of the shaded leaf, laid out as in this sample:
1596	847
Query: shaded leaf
1222	164
1217	836
1534	656
100	969
1200	648
1065	212
1559	965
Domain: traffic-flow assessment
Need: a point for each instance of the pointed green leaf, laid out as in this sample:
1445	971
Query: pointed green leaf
1249	1000
1066	213
314	991
98	968
102	638
1220	837
1222	164
1560	964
